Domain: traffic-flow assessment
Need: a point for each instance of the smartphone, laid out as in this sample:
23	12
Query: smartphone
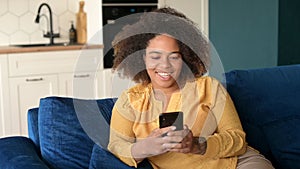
171	119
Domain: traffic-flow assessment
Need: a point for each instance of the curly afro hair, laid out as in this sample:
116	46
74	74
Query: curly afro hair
130	44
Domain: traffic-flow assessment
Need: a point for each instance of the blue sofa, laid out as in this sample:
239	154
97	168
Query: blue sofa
67	133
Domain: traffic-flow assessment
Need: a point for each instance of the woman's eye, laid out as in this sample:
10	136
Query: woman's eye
174	57
155	57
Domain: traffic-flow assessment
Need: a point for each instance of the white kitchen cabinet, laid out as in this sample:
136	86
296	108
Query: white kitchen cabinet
85	85
25	93
27	77
114	85
36	63
197	10
4	95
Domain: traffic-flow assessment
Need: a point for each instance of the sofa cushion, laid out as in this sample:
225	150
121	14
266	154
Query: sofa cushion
264	97
283	136
68	129
95	118
19	152
103	159
33	130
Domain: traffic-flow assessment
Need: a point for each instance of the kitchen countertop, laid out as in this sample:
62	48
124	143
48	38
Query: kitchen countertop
15	49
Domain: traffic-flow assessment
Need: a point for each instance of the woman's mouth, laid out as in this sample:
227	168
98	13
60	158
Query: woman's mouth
164	75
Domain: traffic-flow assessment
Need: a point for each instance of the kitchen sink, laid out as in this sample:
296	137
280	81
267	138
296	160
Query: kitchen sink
39	45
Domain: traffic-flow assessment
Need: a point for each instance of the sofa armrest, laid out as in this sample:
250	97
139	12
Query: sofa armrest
19	152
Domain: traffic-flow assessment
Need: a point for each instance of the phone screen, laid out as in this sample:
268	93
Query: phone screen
171	119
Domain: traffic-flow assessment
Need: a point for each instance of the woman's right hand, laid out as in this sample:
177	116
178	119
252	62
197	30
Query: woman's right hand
152	145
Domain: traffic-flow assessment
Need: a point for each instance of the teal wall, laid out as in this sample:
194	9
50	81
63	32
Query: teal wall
244	32
289	32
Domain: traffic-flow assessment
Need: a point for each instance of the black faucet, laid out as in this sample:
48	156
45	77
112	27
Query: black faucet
50	33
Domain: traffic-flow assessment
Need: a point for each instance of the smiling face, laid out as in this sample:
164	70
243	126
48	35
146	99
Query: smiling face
163	62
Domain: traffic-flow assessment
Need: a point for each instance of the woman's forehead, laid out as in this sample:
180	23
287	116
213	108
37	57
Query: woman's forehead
163	42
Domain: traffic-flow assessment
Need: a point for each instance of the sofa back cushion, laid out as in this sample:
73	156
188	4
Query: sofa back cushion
33	130
63	127
267	101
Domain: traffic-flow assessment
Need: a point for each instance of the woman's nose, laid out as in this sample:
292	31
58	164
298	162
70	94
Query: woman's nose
165	62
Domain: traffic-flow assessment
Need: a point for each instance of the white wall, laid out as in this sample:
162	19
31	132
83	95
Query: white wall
94	21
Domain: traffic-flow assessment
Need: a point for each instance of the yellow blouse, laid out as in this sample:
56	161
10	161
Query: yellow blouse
208	111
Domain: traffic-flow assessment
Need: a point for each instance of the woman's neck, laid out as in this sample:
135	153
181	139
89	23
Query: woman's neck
164	95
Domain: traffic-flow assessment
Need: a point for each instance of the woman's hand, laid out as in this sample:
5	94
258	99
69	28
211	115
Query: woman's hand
185	142
167	139
155	144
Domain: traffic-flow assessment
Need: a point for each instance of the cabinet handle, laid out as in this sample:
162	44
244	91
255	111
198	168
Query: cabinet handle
34	80
81	76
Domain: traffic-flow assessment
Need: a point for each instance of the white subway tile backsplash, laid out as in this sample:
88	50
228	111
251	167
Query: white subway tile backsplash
9	23
18	7
17	20
65	20
64	36
44	22
27	23
19	37
37	37
55	25
34	4
59	9
3	39
74	7
3	6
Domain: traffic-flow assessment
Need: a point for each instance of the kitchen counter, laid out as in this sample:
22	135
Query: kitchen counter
15	49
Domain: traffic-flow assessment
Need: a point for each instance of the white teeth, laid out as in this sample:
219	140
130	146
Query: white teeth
164	74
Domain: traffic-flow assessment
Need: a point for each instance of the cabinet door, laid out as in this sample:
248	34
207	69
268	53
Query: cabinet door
113	85
25	93
4	95
86	85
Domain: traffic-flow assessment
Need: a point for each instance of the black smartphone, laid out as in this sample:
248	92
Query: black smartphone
171	119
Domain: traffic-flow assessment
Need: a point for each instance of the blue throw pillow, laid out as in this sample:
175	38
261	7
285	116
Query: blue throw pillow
103	159
68	129
63	142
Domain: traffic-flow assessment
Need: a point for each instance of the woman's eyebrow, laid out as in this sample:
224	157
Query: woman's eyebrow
160	52
155	52
175	52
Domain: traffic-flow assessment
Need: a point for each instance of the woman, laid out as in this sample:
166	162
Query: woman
167	56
